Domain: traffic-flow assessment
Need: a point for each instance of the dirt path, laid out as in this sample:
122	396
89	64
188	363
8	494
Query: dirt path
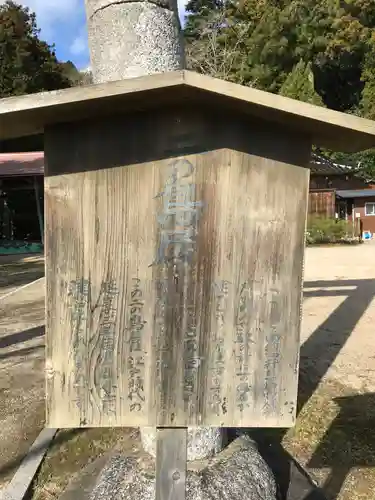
335	433
338	328
21	373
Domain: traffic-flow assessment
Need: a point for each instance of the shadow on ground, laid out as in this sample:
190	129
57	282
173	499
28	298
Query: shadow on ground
349	441
347	314
16	271
294	483
24	336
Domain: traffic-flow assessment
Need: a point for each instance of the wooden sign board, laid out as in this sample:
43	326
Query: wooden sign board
175	224
173	286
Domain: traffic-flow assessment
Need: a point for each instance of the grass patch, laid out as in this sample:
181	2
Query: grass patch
334	439
70	452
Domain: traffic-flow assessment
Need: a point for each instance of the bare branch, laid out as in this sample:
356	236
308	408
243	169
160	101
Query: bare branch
219	49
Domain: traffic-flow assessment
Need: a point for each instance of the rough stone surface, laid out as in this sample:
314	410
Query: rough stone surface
202	442
93	6
237	472
132	39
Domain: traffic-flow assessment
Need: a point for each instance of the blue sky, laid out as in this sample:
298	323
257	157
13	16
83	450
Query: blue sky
63	23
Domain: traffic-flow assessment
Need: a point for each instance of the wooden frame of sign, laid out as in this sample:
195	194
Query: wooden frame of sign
175	210
174	281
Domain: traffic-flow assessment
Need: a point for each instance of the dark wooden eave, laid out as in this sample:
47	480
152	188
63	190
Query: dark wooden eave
30	114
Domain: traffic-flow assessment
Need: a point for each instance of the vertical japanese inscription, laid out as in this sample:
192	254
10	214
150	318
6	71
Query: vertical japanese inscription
107	389
191	356
272	353
178	227
217	362
179	219
136	359
79	294
243	348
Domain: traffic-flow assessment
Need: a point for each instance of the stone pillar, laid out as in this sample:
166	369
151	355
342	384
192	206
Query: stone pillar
202	442
128	39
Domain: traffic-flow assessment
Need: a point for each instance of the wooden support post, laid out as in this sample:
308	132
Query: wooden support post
171	455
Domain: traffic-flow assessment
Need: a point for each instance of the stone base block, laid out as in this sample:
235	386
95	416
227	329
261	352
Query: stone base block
237	472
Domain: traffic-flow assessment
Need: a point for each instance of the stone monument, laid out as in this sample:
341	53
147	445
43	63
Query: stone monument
129	39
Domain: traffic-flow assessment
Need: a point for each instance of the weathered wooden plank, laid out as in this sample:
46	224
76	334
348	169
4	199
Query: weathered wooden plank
171	456
174	285
30	114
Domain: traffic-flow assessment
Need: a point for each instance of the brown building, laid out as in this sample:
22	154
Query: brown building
21	202
337	191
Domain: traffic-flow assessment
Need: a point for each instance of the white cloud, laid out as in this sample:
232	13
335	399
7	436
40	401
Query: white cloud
50	12
79	45
53	10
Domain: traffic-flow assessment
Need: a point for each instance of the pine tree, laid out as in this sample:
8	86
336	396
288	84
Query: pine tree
331	35
299	85
200	12
367	104
27	64
273	44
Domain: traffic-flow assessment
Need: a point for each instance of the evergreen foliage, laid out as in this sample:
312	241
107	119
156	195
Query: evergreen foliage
27	63
318	51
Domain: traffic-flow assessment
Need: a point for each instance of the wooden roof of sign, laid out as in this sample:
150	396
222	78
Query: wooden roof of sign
29	114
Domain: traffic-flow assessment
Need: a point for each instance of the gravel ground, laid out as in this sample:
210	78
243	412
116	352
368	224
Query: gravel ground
21	359
338	327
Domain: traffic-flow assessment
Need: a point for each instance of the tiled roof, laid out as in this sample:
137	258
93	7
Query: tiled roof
323	166
16	164
356	193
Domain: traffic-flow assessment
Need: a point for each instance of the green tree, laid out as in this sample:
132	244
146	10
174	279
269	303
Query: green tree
331	35
367	104
77	78
201	13
277	45
299	85
214	45
27	64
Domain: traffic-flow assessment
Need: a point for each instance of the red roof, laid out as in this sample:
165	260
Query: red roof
16	164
